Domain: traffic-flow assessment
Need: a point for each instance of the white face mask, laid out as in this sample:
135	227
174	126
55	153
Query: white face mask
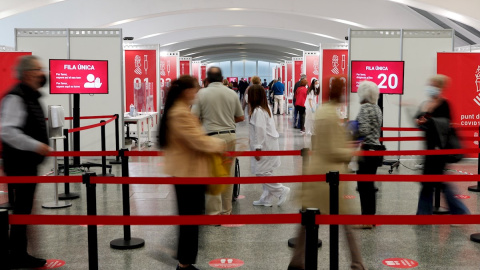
317	86
432	91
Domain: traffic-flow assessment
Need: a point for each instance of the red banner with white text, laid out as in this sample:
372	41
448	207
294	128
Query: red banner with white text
195	70
141	75
203	72
312	66
335	64
463	90
184	67
168	73
289	85
298	70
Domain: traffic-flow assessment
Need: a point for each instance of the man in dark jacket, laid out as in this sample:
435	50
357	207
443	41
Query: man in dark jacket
295	112
25	144
242	86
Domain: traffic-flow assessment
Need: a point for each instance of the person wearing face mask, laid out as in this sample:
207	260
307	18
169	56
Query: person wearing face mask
311	106
433	117
25	144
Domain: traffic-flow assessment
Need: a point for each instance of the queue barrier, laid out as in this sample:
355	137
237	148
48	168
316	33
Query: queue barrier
311	218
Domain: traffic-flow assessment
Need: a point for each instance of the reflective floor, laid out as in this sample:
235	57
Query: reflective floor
259	247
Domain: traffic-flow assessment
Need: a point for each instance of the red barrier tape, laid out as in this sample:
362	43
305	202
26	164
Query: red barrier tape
92	126
419	152
231	154
83	154
207	180
403	139
397	219
241	219
462	128
409	178
154	220
40	179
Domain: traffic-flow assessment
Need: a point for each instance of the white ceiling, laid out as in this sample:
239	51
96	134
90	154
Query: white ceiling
216	30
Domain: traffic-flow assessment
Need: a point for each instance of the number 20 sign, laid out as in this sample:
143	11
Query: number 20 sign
388	75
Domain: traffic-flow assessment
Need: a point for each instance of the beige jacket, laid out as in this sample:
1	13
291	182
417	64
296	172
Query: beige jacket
331	152
187	153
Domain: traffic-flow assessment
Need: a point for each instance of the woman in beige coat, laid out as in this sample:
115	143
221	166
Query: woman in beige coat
331	152
187	149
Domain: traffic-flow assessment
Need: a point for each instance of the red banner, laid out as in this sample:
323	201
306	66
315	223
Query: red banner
388	75
8	61
141	75
463	91
203	72
195	69
312	66
168	73
184	67
284	75
290	83
335	64
298	71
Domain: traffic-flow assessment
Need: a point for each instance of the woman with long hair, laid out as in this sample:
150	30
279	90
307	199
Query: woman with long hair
311	106
264	137
187	154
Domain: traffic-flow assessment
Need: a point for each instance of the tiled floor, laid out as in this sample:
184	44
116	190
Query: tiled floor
260	247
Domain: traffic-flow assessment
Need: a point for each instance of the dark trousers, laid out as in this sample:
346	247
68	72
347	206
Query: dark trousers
242	94
23	203
190	201
301	120
367	189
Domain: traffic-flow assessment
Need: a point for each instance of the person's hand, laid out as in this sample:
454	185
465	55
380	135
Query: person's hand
43	149
258	158
422	120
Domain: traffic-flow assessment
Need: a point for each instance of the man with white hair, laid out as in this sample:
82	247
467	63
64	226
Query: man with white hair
25	144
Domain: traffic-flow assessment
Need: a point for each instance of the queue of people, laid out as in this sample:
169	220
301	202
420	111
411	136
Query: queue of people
189	144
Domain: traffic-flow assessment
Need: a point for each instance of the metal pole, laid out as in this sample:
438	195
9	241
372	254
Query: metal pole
333	178
127	242
104	148
55	204
4	227
92	229
311	228
76	124
117	141
11	198
66	172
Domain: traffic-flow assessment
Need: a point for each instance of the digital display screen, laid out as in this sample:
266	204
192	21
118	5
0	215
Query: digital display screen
388	75
78	76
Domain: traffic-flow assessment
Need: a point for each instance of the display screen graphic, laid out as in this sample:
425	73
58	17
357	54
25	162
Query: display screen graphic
78	76
388	75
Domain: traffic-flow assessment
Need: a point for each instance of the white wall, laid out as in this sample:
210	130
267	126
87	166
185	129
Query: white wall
78	44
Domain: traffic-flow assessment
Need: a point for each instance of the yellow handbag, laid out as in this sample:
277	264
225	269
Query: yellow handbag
218	170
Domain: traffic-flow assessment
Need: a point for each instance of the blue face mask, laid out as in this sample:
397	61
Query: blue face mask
432	91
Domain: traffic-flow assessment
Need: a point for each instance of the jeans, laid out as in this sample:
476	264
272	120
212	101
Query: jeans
295	113
425	202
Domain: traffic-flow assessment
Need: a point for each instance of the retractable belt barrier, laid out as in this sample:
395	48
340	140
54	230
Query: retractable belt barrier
92	126
310	218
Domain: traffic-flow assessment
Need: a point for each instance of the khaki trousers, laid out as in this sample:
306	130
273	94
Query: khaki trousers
222	204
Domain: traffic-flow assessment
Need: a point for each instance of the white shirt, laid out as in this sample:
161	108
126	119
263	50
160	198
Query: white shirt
264	136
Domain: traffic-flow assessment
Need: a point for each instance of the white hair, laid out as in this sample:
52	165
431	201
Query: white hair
368	92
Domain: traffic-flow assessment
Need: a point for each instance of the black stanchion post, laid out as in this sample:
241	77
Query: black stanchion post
76	124
117	141
127	242
4	236
305	152
477	187
104	148
311	243
66	172
333	178
92	229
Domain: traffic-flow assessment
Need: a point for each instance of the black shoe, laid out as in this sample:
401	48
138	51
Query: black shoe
190	267
25	261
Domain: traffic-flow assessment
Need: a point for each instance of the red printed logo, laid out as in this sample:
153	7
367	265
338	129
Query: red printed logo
400	263
52	264
462	196
349	197
226	263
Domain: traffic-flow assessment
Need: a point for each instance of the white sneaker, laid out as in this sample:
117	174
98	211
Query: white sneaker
262	203
284	196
